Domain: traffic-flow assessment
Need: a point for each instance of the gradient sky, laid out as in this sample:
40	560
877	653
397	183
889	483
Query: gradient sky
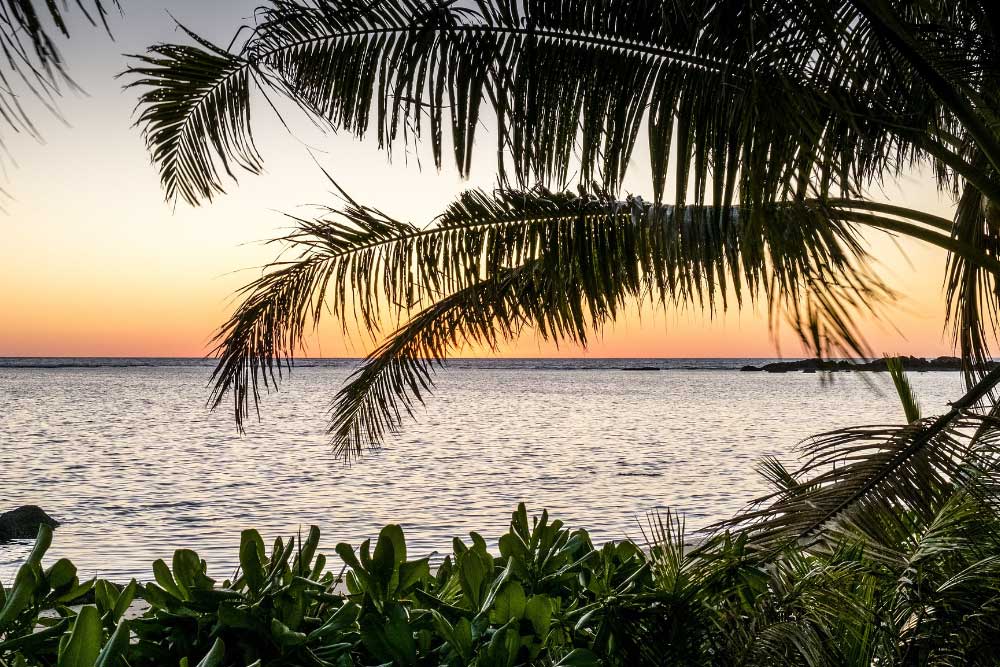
94	263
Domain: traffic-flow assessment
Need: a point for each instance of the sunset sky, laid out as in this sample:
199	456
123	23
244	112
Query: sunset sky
94	263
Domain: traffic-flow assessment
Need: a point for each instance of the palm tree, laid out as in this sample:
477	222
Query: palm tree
31	62
776	117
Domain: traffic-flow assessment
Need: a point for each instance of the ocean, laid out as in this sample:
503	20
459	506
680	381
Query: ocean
126	455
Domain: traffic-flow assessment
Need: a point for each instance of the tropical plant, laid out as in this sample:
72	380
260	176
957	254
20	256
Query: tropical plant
914	591
777	118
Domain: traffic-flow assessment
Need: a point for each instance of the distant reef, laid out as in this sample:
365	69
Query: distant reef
916	364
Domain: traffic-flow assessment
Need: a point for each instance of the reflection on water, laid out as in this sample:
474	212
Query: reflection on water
129	459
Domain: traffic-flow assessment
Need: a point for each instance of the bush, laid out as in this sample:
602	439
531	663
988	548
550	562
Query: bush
549	598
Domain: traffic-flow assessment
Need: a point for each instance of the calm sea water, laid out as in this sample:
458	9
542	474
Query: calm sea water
125	454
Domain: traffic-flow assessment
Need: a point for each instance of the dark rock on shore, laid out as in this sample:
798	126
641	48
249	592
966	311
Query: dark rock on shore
641	368
909	363
23	522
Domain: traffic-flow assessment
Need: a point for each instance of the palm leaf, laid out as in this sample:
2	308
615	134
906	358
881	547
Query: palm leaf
30	62
195	116
398	373
865	473
591	254
908	399
753	102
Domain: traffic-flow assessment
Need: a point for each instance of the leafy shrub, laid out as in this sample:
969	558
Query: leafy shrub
928	595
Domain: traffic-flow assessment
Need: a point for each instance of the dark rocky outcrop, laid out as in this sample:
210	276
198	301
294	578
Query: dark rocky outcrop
22	523
909	363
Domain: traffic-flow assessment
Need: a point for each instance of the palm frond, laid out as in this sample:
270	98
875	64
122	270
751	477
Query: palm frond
908	399
195	116
866	473
755	102
31	64
399	373
973	292
594	251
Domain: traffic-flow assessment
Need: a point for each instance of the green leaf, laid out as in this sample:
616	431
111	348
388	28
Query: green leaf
189	571
236	617
215	656
458	637
76	591
114	650
84	642
285	636
390	553
412	573
252	555
579	657
105	595
503	647
125	599
163	576
25	584
61	574
390	637
538	610
303	562
509	603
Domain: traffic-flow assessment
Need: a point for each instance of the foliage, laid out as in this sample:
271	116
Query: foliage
32	65
888	586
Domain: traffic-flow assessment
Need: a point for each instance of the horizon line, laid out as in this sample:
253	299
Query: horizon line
491	358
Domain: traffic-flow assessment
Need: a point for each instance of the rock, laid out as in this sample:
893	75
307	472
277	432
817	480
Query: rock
751	369
641	368
22	523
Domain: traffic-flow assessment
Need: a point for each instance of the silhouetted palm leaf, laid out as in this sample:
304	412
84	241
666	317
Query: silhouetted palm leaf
588	255
31	62
754	101
865	474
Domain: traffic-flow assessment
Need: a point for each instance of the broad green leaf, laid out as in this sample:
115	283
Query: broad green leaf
25	584
251	557
390	637
508	604
114	650
285	636
61	574
189	570
538	610
163	576
125	599
215	656
84	643
412	573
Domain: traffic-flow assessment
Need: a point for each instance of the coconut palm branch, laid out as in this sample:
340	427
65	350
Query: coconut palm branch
780	93
588	254
862	475
31	60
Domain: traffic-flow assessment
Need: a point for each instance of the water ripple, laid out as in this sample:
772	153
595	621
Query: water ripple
127	457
